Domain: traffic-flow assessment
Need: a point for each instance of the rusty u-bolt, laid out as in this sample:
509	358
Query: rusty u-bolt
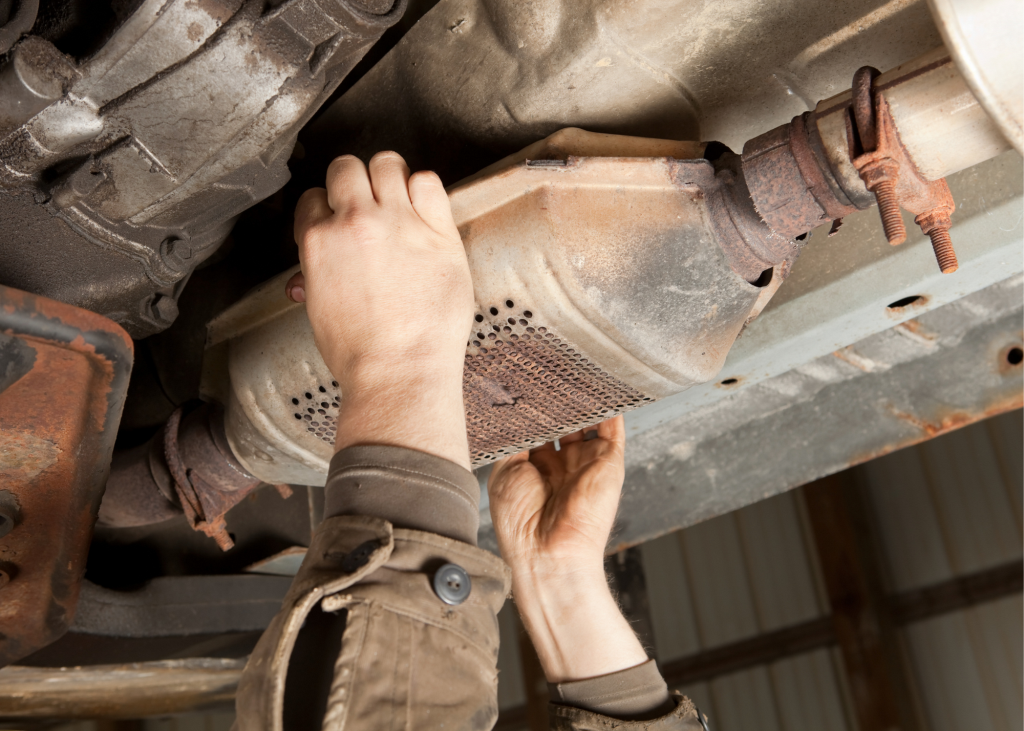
880	172
891	175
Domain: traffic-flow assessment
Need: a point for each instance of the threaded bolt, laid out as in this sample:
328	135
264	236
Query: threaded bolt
889	209
943	246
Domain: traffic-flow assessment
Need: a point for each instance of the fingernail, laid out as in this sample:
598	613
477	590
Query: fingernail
297	294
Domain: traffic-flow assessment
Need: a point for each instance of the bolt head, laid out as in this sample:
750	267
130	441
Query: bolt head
176	253
165	308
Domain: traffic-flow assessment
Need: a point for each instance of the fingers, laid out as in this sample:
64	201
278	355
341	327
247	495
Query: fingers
389	179
348	184
312	208
430	201
576	436
546	447
295	289
613	430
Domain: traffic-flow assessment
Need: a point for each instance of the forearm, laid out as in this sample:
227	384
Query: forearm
574	622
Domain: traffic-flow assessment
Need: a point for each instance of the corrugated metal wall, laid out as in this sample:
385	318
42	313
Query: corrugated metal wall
950	507
731	578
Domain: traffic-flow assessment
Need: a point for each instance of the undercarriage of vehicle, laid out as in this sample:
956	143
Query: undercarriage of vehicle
782	237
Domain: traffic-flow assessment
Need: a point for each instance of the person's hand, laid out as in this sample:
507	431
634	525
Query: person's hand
553	512
388	292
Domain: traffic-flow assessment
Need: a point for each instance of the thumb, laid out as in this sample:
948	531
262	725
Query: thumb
517	491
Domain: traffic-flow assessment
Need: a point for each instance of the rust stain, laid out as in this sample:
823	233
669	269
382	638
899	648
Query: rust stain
57	428
1010	357
849	355
888	171
524	385
918	302
913	330
929	429
23	455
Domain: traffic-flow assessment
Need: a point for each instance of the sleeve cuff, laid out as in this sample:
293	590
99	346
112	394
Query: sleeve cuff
411	489
636	694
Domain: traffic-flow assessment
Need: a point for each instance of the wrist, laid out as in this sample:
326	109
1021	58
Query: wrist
575	624
414	404
397	371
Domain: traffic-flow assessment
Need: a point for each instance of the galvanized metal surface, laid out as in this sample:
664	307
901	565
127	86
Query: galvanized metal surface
136	161
944	369
54	457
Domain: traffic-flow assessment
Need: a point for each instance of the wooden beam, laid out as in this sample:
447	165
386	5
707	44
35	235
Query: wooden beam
757	650
959	593
880	684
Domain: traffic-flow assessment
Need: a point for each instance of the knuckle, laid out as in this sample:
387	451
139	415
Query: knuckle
425	177
386	156
339	165
342	160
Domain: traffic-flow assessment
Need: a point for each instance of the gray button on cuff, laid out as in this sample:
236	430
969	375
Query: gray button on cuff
452	584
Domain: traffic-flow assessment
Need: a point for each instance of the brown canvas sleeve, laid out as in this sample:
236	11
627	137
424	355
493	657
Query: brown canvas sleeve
683	716
409	489
635	694
408	657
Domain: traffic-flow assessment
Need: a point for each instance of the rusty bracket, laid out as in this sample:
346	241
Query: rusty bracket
63	378
888	172
205	500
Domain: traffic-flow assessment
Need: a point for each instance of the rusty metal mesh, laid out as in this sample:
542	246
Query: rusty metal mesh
524	385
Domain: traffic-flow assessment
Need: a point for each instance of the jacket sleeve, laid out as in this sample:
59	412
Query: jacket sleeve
683	717
412	654
634	694
636	698
409	657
